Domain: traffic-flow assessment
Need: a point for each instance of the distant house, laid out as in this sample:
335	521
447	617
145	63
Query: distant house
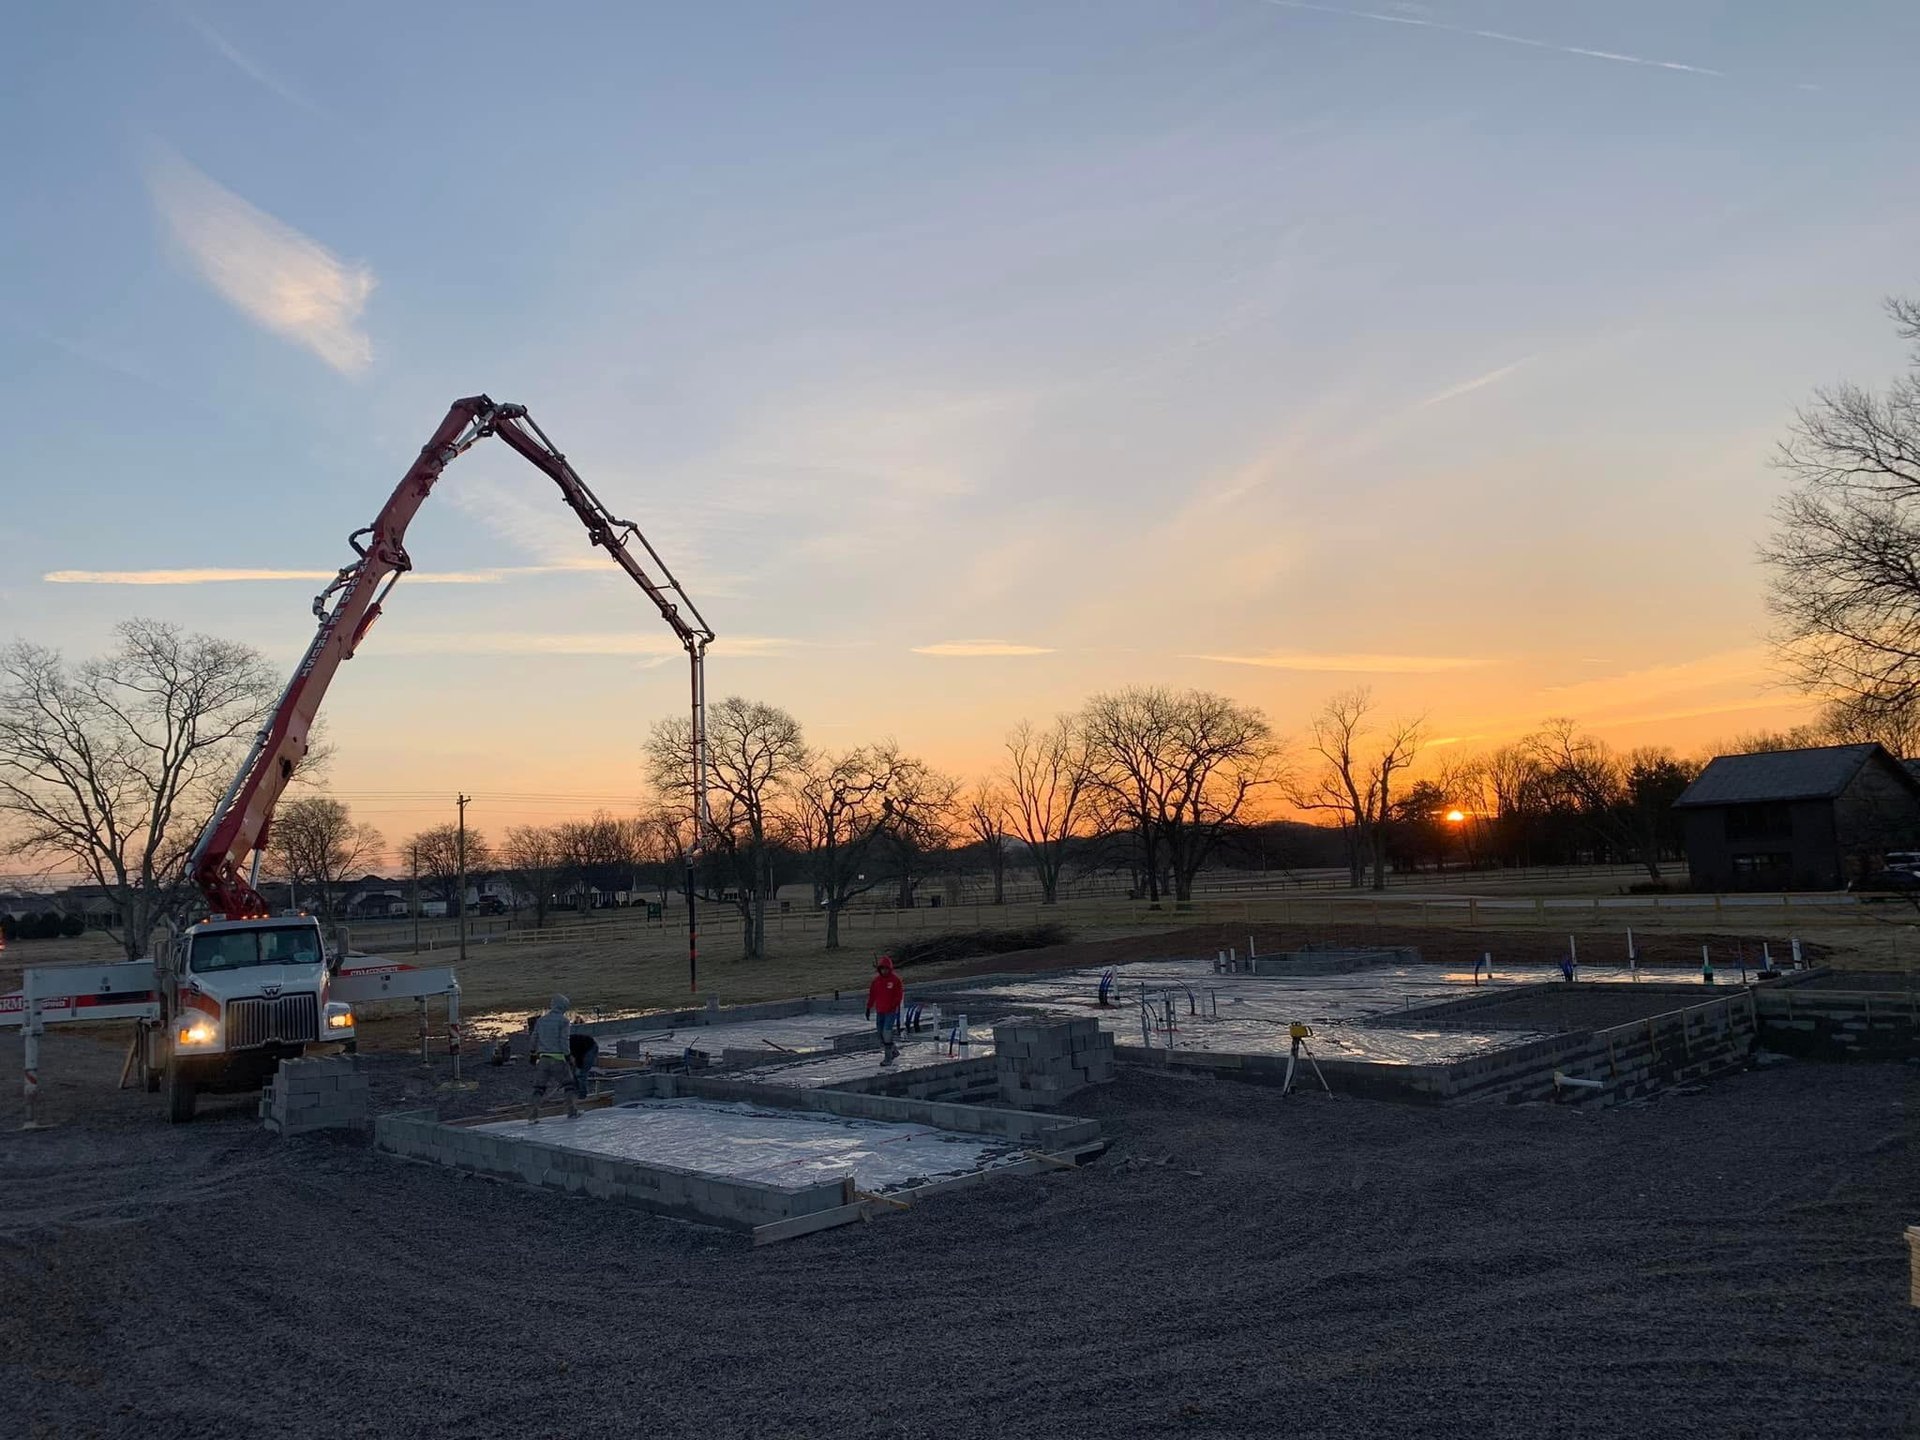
1797	819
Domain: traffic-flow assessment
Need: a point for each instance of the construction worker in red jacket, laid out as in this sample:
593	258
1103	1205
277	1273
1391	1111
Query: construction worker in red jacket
884	998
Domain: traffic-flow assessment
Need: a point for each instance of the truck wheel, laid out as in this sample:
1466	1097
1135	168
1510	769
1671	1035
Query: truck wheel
180	1093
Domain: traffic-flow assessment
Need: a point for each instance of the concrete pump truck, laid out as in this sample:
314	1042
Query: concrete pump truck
230	996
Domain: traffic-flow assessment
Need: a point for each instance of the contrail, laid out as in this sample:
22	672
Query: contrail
1499	35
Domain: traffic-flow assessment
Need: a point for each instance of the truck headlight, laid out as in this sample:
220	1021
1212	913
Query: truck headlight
339	1016
196	1032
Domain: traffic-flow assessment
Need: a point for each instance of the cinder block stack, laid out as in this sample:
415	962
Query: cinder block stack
1042	1062
305	1095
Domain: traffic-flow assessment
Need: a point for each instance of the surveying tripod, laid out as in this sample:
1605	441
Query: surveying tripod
1299	1034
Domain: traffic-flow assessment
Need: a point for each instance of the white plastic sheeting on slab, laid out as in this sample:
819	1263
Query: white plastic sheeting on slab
1247	1036
801	1034
775	1147
1249	1014
829	1070
1352	995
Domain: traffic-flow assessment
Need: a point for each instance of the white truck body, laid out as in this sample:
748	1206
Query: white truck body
223	1003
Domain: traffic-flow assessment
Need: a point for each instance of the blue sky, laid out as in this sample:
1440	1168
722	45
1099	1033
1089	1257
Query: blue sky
1436	347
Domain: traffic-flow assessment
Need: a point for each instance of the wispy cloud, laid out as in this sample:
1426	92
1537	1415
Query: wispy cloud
247	65
1748	668
1499	35
263	267
974	648
1354	664
1467	387
217	575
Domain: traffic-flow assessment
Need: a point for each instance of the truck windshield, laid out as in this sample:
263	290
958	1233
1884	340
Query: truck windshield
237	949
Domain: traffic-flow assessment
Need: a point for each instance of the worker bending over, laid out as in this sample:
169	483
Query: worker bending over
552	1058
884	998
585	1051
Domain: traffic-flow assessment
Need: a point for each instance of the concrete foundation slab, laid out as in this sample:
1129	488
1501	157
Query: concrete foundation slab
776	1161
806	1034
835	1070
742	1141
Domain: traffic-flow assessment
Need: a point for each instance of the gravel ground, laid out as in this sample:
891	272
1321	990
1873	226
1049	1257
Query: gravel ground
1728	1263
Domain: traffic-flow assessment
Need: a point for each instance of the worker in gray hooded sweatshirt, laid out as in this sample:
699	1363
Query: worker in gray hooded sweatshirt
552	1062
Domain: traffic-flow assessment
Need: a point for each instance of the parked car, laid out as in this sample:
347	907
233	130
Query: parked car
1887	885
490	905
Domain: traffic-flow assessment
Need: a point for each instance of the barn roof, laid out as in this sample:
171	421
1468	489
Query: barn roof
1820	773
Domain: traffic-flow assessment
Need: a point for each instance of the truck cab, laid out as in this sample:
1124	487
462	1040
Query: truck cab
236	998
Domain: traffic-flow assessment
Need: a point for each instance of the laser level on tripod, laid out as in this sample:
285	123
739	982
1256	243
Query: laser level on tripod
1299	1033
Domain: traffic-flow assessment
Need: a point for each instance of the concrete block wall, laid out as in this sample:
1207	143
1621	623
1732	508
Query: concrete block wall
1042	1062
963	1082
318	1094
1839	1025
1629	1061
694	1195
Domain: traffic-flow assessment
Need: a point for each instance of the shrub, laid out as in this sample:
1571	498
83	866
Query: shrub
73	927
9	929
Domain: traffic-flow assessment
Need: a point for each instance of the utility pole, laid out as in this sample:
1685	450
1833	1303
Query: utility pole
413	854
462	801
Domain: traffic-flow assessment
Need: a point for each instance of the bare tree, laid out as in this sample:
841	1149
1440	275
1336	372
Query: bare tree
1127	734
535	856
112	766
756	753
320	849
1396	752
923	819
1845	551
665	836
1340	785
843	812
1605	789
1889	720
1186	762
987	811
1050	779
601	855
434	854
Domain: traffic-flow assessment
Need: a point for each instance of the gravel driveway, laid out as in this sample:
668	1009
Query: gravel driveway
1728	1263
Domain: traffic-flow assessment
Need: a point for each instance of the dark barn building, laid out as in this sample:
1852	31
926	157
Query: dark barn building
1797	819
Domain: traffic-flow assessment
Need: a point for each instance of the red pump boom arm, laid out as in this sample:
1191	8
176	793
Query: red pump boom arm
349	605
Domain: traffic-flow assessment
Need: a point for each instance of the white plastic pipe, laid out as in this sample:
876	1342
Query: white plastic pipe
1562	1079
